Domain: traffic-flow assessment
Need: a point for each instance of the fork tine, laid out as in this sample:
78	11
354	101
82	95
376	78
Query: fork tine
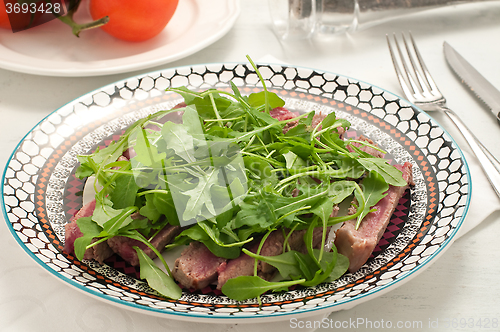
429	80
408	89
409	75
417	69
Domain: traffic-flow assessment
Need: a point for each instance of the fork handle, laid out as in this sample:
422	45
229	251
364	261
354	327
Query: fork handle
488	162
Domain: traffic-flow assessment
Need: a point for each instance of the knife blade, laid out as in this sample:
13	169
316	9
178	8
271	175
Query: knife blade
479	85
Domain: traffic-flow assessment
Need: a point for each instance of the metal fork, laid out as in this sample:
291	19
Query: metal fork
421	90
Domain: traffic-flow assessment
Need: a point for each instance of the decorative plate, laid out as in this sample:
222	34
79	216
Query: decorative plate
51	49
40	191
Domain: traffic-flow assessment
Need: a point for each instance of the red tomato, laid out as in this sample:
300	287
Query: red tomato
134	20
4	18
20	20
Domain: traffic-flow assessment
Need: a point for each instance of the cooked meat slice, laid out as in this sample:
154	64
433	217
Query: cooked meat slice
358	244
100	251
281	113
241	266
86	211
123	246
197	266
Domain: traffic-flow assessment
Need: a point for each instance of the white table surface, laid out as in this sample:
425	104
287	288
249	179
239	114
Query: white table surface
461	284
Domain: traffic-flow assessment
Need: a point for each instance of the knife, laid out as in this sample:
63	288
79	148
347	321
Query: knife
479	85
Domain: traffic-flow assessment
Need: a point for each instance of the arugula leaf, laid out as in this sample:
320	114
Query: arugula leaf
200	196
286	263
164	204
247	287
149	210
259	99
104	211
156	278
125	191
147	153
331	120
340	268
338	191
325	270
84	170
391	174
90	231
375	188
177	138
197	233
113	225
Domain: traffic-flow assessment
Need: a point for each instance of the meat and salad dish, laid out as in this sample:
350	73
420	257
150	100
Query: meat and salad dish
260	198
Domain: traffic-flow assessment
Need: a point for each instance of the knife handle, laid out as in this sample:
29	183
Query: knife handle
490	165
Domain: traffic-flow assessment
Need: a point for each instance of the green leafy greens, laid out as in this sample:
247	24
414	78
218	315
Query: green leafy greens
229	173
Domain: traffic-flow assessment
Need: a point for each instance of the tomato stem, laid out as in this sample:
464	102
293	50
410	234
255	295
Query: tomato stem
79	27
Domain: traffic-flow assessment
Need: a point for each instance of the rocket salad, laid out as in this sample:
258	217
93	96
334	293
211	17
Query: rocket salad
230	174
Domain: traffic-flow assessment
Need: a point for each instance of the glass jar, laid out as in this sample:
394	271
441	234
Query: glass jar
301	19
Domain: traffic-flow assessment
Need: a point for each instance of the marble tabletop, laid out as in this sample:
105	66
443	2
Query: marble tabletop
460	288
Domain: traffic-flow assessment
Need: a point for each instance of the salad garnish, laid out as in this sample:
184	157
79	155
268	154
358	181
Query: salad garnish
230	174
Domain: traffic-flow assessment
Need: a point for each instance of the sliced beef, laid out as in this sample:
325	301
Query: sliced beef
100	251
281	114
123	246
197	267
358	244
241	266
86	211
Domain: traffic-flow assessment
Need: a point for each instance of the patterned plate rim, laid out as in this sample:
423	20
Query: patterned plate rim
279	315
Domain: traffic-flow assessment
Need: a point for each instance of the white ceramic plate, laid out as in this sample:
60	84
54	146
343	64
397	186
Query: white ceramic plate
40	190
52	50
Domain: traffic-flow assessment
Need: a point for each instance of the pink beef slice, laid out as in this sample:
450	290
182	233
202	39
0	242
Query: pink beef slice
197	266
98	252
123	245
358	244
241	266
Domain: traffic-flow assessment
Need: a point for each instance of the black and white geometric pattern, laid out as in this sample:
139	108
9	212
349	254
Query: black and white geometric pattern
39	179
